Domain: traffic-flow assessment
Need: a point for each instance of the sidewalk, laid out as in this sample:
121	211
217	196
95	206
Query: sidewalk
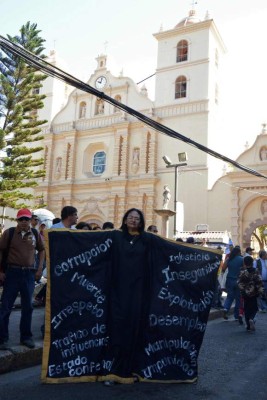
19	357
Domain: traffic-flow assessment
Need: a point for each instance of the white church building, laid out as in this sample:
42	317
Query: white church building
104	161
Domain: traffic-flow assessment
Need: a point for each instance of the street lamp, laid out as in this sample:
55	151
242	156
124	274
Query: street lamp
182	158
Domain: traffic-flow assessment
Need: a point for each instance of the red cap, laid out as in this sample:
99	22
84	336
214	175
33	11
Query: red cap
24	212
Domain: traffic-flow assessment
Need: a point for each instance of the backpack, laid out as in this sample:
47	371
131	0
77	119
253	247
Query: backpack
6	250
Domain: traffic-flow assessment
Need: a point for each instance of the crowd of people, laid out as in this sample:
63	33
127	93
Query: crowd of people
243	278
22	264
245	285
22	261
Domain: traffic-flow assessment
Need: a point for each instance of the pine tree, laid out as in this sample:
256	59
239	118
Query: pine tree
19	126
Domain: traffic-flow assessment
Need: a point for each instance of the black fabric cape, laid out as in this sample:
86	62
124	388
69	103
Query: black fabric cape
117	309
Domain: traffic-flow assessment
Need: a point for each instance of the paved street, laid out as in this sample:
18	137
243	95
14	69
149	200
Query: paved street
232	366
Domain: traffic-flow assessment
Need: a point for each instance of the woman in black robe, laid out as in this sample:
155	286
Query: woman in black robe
129	285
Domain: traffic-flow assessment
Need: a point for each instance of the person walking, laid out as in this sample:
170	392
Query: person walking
217	298
19	276
234	264
251	287
248	252
260	265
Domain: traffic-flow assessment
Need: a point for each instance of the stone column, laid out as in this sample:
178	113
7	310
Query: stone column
165	214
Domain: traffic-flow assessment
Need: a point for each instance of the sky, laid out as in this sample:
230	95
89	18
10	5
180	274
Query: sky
80	30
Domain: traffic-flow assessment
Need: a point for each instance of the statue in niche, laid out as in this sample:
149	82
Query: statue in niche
263	154
100	106
264	207
58	166
135	159
82	110
166	197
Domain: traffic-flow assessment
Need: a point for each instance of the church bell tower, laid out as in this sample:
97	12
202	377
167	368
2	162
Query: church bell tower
187	100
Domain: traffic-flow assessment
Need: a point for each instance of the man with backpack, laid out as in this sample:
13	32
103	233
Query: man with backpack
18	275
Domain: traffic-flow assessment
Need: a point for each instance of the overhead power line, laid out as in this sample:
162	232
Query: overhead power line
56	72
143	80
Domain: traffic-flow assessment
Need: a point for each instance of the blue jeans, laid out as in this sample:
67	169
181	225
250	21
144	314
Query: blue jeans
17	280
233	294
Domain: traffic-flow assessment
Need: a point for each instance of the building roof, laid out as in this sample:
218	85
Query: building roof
190	19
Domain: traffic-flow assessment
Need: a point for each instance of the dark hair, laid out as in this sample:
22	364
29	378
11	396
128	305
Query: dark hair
248	261
141	228
262	253
67	211
190	239
56	220
235	252
108	225
82	224
152	228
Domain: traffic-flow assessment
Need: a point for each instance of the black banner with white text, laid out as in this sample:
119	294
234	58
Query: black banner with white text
174	306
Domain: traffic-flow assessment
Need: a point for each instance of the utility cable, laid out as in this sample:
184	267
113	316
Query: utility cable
56	72
143	80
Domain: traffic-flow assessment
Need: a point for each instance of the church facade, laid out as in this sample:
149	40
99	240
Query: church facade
103	161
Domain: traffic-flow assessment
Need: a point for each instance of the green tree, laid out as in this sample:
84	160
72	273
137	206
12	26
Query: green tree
260	235
19	126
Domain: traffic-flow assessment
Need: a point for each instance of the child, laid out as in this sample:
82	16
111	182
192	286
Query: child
251	286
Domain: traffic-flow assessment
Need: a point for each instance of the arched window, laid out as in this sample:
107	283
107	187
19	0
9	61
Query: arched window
182	51
180	87
82	109
99	164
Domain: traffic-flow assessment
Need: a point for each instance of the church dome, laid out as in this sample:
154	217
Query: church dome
191	19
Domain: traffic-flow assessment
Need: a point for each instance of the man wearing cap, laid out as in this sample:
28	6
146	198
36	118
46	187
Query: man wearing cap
248	252
19	276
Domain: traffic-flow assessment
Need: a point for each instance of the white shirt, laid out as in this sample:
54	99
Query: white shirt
61	225
263	268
